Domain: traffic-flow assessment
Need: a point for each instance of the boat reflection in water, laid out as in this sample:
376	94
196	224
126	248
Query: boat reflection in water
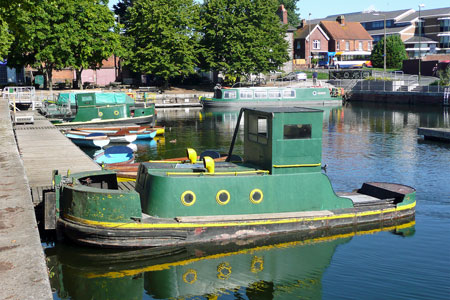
277	267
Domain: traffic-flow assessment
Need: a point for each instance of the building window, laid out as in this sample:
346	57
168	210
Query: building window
299	45
360	45
338	46
377	24
444	42
369	46
445	25
347	46
316	44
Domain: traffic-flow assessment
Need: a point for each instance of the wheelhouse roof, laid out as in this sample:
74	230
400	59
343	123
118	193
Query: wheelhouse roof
270	110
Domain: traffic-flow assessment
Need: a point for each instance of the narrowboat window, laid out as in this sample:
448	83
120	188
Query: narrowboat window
86	98
246	94
288	93
273	94
260	94
297	131
229	95
257	129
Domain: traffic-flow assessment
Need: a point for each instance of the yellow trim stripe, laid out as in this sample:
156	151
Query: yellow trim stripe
166	161
234	223
297	166
160	267
217	173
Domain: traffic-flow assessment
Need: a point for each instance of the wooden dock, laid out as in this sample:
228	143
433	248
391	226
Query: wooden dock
44	148
439	134
23	271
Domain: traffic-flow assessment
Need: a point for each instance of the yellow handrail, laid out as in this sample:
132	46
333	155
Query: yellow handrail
217	173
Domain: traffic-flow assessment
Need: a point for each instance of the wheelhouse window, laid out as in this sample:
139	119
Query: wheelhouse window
257	129
273	94
260	94
229	95
246	94
297	131
288	93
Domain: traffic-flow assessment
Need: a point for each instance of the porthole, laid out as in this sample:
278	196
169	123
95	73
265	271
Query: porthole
256	196
223	271
223	197
116	112
100	114
190	276
188	198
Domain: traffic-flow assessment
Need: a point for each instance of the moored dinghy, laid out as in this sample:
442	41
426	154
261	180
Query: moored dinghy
91	140
279	188
115	155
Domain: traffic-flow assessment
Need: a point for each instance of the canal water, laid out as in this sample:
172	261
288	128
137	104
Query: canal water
360	143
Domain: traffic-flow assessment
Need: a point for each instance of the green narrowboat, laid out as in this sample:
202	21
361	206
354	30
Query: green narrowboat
75	109
278	188
272	96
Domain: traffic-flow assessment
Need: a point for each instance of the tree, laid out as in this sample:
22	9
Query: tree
164	37
291	7
42	36
242	36
395	53
5	38
95	36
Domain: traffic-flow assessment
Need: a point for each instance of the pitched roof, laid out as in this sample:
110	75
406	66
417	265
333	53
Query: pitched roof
303	32
428	13
423	39
348	31
369	16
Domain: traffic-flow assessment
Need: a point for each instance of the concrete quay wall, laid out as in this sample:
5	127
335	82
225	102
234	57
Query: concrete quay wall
23	271
410	98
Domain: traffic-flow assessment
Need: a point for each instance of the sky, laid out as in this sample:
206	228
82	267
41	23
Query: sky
323	8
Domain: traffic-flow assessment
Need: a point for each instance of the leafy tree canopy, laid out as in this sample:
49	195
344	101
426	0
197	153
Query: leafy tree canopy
54	34
242	36
5	38
95	36
164	37
395	53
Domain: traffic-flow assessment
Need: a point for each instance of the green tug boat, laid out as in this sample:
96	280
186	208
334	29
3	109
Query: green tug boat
272	96
278	188
84	109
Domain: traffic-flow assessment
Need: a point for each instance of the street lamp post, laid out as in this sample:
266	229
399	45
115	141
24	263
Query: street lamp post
384	48
309	43
420	41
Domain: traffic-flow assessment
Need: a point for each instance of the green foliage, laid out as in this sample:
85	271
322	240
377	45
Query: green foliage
444	77
291	7
395	53
55	34
242	37
378	78
5	38
163	37
94	36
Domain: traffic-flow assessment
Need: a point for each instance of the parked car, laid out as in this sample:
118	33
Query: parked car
297	76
